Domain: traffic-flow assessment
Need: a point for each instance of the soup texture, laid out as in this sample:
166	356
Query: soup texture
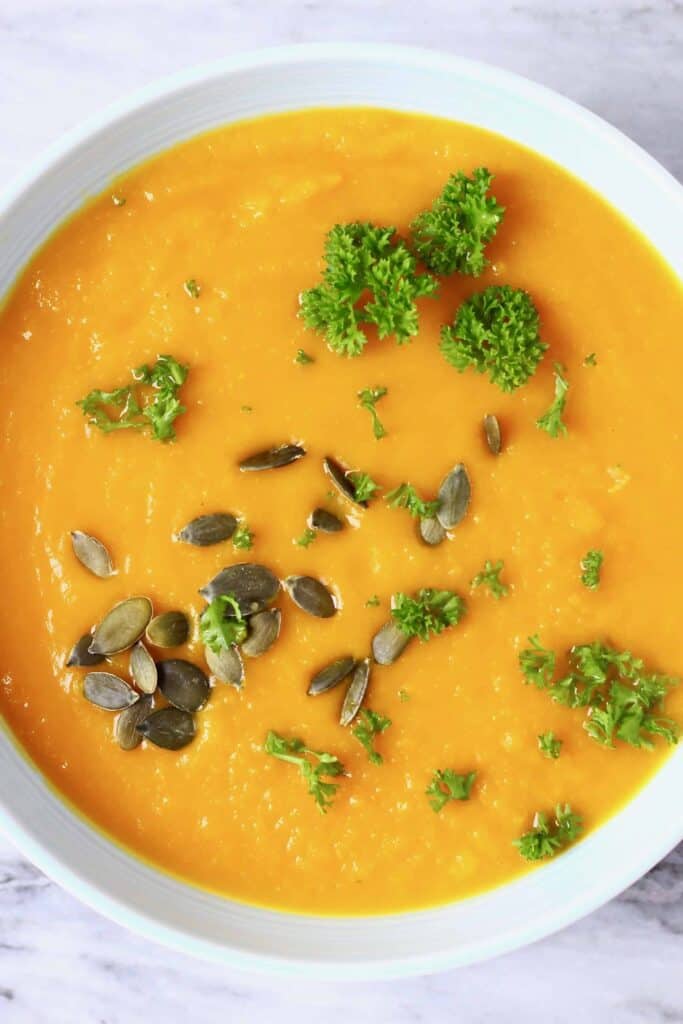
203	253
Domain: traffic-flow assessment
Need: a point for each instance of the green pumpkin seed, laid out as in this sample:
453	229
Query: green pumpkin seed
389	644
171	629
431	531
253	586
209	529
330	676
80	655
264	629
454	497
108	691
142	668
338	476
125	727
122	626
325	521
311	596
273	458
492	434
226	665
92	553
355	693
170	728
183	684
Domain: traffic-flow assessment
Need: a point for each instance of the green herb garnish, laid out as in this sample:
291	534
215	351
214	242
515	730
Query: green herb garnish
591	565
405	496
363	484
545	838
551	421
429	612
490	577
302	358
124	408
306	538
368	400
496	331
591	359
372	602
403	696
221	624
192	288
537	664
452	234
448	785
243	538
549	745
295	752
369	725
369	279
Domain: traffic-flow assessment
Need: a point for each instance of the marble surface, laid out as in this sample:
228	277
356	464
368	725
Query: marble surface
60	963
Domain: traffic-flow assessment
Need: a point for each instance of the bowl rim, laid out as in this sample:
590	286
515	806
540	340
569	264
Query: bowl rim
71	877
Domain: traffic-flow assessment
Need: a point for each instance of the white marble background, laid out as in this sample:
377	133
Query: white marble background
63	964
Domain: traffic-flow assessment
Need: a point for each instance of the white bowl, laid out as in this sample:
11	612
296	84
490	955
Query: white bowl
33	815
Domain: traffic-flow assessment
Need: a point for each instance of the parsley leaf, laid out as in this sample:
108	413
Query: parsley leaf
429	612
403	696
452	234
591	359
405	496
221	624
302	358
159	411
551	421
369	725
364	485
448	785
306	538
295	752
537	664
192	288
496	331
490	577
591	564
544	839
243	538
372	602
369	279
549	745
368	399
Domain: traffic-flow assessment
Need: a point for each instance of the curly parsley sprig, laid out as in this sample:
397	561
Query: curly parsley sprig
546	838
448	785
370	724
314	766
551	421
428	613
222	624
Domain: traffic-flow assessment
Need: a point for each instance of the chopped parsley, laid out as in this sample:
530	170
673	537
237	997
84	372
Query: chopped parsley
549	745
369	725
222	624
551	421
496	331
124	408
368	400
372	602
490	577
591	360
546	838
243	538
403	696
447	785
452	234
363	484
306	538
591	565
369	278
405	496
429	612
622	699
302	358
313	765
192	288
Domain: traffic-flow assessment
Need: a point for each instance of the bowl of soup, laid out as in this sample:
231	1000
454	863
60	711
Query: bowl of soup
338	477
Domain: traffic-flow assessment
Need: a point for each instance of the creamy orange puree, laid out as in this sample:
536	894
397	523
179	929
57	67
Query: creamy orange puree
244	210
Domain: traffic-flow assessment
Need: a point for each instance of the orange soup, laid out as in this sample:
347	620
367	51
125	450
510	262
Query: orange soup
204	253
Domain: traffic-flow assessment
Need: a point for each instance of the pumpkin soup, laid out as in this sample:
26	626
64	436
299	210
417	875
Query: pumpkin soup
338	480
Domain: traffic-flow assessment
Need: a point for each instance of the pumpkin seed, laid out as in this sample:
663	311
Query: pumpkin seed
209	529
92	553
326	521
264	629
330	676
183	684
125	727
310	595
389	644
337	474
122	626
273	458
253	586
80	655
170	728
171	629
431	531
142	668
226	665
355	692
492	433
108	691
454	497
